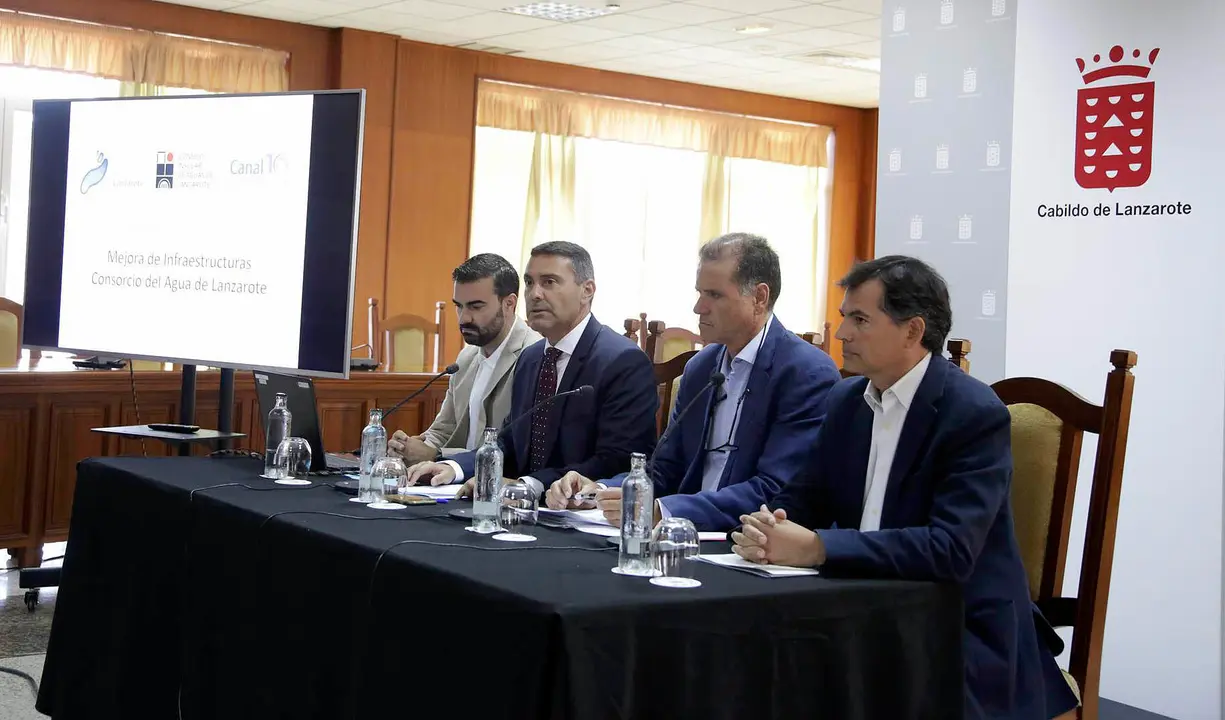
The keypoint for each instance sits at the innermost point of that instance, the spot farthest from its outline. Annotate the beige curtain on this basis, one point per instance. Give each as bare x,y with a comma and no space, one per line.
557,112
135,89
714,198
550,213
140,57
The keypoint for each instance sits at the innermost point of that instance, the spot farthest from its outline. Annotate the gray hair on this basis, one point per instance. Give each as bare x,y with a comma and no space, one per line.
757,262
580,259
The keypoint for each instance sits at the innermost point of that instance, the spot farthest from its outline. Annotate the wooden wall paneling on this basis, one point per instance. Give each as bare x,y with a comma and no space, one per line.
72,440
341,423
151,411
865,246
431,179
368,60
309,46
16,426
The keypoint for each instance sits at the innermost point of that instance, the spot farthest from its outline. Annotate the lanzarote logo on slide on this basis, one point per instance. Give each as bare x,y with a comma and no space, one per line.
1114,122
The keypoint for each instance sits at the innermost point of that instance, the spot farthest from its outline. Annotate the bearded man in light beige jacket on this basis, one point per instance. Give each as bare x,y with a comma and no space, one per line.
486,294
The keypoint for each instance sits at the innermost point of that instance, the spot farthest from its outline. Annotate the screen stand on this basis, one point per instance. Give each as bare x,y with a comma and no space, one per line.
187,403
225,404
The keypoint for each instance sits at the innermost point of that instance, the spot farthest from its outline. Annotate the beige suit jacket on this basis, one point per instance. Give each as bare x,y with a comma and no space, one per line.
449,431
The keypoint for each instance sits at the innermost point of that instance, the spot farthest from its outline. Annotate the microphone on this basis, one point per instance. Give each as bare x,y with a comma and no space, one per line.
716,381
448,370
581,390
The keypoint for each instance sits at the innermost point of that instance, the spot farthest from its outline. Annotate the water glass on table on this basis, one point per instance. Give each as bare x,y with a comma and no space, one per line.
676,547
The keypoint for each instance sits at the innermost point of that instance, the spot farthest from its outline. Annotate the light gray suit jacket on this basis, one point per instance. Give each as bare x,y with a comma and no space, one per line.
449,431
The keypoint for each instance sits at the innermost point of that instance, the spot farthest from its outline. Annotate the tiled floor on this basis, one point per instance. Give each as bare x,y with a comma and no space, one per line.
26,633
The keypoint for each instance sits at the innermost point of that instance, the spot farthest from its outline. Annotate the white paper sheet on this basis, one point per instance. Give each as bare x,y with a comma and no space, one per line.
735,562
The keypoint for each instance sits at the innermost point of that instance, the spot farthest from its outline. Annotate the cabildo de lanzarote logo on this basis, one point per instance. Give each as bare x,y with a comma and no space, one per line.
1114,134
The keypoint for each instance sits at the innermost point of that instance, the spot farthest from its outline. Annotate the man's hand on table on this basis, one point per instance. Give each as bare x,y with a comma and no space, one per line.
768,538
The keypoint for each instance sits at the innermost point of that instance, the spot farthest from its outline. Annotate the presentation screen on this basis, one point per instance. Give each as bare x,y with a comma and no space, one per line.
213,230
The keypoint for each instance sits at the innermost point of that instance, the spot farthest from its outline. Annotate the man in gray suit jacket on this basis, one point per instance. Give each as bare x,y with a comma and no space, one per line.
486,293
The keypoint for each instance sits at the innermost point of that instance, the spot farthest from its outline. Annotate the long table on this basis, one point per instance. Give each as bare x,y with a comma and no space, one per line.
259,600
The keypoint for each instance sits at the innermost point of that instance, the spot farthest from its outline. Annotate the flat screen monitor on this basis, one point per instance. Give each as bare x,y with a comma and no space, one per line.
216,230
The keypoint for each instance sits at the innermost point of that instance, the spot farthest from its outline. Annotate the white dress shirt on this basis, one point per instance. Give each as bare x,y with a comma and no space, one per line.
480,387
726,420
888,417
567,345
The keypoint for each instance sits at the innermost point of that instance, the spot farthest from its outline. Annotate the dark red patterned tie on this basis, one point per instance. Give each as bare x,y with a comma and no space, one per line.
546,387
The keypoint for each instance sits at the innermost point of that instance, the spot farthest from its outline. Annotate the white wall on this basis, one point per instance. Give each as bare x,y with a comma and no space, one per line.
1080,287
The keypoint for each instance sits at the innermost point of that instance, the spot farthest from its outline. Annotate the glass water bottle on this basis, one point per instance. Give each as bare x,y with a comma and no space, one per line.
280,422
637,517
486,496
374,448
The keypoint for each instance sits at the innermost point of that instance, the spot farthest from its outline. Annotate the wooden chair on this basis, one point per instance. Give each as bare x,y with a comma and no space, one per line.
12,314
412,343
667,376
821,340
371,346
959,350
664,343
1048,424
635,329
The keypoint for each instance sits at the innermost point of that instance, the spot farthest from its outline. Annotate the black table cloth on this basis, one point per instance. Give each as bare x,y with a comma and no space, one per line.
252,601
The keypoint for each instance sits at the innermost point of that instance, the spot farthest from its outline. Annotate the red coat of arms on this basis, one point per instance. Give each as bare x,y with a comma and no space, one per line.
1114,122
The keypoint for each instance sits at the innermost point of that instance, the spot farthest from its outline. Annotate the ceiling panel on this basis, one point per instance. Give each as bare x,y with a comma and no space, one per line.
701,41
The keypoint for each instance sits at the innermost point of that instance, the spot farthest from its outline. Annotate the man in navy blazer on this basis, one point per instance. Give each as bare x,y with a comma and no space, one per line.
590,433
910,479
740,441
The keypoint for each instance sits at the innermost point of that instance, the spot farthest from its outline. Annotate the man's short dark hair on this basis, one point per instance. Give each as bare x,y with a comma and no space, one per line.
579,258
912,288
489,265
757,261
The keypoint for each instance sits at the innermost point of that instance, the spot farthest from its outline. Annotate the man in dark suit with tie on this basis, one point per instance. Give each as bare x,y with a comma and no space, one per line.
590,433
910,478
740,441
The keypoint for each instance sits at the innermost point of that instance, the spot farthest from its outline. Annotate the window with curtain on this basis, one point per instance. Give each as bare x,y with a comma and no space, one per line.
641,187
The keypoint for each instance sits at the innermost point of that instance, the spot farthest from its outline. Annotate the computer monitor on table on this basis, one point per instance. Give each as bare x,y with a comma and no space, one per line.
300,397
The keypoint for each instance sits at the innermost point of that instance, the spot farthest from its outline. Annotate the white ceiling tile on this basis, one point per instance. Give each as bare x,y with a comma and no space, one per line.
867,49
822,38
627,23
652,65
550,38
684,13
485,4
208,4
644,44
870,28
775,65
757,6
819,16
694,35
867,6
434,38
578,54
314,8
343,6
431,10
730,26
708,54
375,19
764,46
486,24
259,9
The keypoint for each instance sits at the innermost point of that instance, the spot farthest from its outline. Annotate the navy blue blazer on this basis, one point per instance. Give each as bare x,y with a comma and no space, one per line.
947,517
593,433
779,419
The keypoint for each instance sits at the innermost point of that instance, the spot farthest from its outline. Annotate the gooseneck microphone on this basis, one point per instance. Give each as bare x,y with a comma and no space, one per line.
448,370
580,390
716,381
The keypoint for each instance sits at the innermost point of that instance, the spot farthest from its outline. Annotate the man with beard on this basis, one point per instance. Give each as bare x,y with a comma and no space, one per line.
590,433
486,293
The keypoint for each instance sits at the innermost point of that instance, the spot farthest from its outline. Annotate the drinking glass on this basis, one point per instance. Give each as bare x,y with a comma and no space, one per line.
389,475
676,546
517,513
293,461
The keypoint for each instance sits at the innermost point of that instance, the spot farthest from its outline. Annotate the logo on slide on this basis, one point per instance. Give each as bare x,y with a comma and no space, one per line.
95,175
1114,123
165,170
